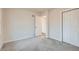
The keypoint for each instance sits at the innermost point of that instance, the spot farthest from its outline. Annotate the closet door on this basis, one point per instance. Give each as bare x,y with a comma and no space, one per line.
71,27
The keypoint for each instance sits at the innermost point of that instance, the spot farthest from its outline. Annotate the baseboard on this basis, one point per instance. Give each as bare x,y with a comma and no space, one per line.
21,39
18,39
1,46
54,39
71,44
63,42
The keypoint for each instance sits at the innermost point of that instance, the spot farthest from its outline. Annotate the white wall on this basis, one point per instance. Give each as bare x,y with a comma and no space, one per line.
17,24
1,42
55,31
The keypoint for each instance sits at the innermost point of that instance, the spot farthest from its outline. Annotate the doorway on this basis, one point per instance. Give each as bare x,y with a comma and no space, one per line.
41,26
38,26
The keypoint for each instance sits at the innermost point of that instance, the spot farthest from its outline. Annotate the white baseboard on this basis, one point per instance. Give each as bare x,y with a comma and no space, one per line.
17,39
54,39
22,38
1,46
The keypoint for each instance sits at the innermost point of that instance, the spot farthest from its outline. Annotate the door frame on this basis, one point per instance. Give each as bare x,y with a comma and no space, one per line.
47,22
63,19
34,19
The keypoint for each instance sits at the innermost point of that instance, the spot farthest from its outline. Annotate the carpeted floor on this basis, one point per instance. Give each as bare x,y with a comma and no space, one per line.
38,44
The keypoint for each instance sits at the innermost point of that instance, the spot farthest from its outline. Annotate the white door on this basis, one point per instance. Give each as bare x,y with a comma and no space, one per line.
38,26
71,27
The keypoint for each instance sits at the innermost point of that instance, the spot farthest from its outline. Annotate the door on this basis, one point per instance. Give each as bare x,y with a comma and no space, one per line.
71,27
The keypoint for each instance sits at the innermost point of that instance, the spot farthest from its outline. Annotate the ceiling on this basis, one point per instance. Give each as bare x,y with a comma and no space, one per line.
38,9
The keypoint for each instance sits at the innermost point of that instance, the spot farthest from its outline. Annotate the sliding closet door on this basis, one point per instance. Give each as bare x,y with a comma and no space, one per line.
71,27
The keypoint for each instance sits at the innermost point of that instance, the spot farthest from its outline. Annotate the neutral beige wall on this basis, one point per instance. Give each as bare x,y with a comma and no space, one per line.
17,24
1,42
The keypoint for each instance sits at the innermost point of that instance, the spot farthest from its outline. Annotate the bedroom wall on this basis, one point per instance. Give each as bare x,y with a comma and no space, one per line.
55,24
17,24
1,42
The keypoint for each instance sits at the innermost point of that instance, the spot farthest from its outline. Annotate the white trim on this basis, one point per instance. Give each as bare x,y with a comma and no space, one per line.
55,39
1,46
22,39
17,39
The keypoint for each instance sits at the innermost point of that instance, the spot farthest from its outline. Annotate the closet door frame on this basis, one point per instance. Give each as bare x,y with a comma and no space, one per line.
63,22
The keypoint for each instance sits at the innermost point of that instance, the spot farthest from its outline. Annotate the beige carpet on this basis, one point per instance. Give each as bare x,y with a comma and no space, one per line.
38,44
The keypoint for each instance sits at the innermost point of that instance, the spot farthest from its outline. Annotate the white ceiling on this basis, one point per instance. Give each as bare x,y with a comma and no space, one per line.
38,9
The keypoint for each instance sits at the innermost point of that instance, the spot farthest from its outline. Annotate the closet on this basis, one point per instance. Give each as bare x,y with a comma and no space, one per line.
71,26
